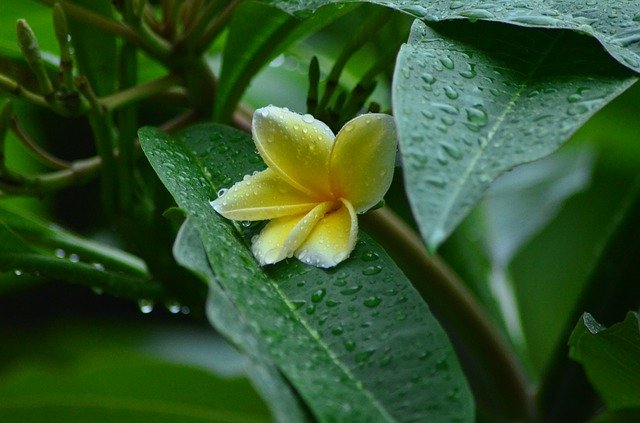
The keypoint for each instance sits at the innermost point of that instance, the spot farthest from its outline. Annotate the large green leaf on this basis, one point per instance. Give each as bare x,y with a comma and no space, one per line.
189,252
356,341
125,386
614,23
611,358
473,101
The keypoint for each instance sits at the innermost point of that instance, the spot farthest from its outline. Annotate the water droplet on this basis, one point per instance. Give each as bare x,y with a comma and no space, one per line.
428,114
74,258
469,73
450,92
349,345
338,330
371,270
317,296
17,272
332,303
475,14
400,315
385,361
60,253
264,112
442,364
173,307
363,356
428,78
447,62
308,118
222,191
145,306
97,290
436,182
351,290
451,150
447,108
372,302
370,256
574,98
477,116
98,266
456,5
311,308
297,304
447,120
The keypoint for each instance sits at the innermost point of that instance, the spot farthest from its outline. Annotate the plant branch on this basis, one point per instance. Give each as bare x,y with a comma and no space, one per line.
139,92
103,136
216,26
39,153
445,292
153,45
194,31
374,22
14,88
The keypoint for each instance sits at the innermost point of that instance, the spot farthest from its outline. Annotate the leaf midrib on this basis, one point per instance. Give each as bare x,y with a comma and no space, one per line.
460,183
299,318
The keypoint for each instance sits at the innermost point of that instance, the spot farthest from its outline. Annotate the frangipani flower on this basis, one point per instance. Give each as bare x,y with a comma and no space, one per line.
314,185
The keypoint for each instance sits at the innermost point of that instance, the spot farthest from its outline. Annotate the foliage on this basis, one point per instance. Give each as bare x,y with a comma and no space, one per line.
120,121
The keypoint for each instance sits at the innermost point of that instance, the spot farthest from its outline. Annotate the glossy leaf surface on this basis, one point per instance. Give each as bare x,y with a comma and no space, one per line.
357,341
473,101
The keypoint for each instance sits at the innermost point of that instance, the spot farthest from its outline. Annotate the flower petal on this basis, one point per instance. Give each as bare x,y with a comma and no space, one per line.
262,196
281,237
332,239
296,147
362,160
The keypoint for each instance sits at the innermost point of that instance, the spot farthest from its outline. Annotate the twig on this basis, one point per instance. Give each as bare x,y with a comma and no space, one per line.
40,154
216,26
139,92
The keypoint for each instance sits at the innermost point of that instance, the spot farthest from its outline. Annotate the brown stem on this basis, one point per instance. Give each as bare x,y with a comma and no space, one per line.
40,154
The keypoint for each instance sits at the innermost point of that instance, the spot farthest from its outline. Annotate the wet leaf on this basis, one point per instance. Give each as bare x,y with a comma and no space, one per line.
614,23
357,341
267,379
473,101
31,249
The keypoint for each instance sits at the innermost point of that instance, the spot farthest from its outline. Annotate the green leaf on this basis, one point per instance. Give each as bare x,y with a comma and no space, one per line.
189,252
473,101
611,358
247,50
94,50
127,387
62,243
614,23
357,341
99,267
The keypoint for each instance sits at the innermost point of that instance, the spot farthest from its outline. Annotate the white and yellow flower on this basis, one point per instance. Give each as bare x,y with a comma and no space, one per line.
314,185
